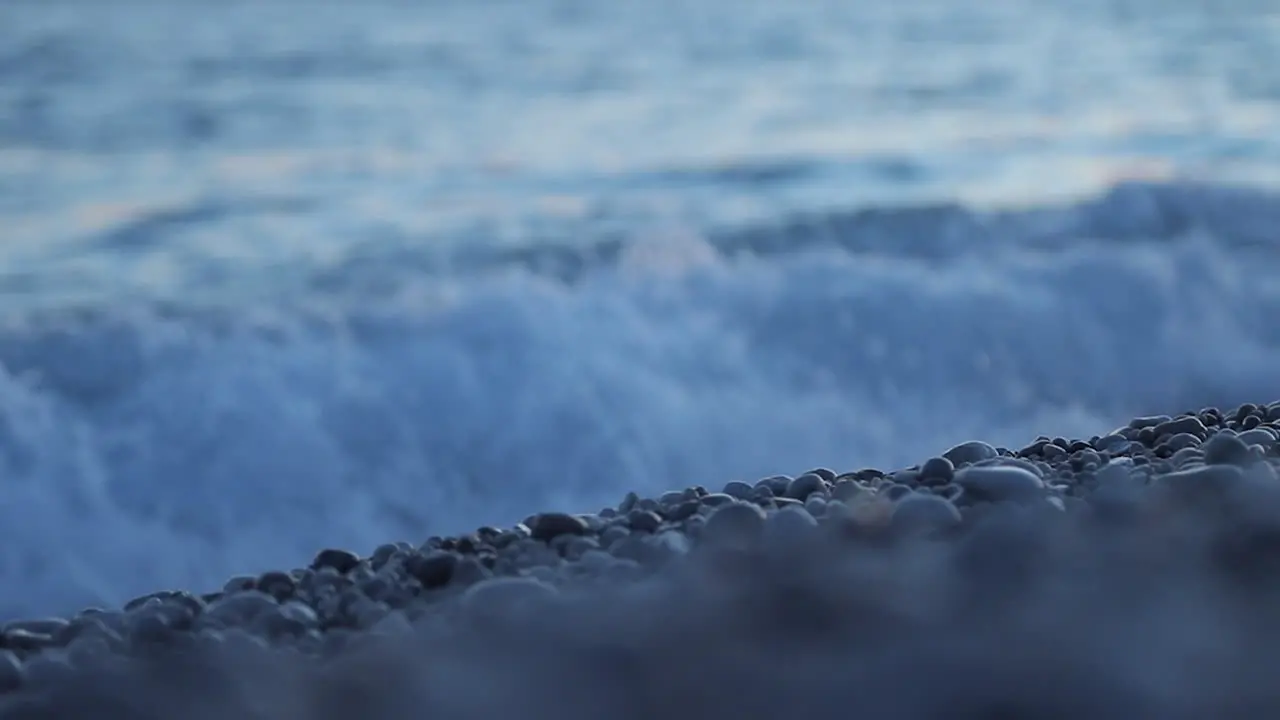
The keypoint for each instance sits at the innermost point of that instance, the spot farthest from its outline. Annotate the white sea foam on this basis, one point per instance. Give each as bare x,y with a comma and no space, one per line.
156,447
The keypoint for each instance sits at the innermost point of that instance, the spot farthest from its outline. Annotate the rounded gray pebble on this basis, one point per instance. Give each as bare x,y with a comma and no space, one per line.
937,470
805,485
738,489
1000,483
918,512
739,524
1227,449
970,452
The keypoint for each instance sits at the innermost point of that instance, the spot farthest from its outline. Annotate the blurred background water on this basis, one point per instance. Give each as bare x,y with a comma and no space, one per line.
282,275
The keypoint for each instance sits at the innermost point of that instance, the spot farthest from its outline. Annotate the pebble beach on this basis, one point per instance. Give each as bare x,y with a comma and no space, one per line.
571,360
1129,574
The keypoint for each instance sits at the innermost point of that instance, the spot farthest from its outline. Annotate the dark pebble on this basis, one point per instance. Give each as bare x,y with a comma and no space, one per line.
717,499
341,560
432,570
738,489
12,674
279,585
551,525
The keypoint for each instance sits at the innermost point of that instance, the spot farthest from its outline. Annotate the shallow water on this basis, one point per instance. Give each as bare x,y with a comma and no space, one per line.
280,276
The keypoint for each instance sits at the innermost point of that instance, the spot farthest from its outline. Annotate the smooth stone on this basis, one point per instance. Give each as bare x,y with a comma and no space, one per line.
1258,436
970,452
1202,482
846,490
551,525
816,506
26,640
1188,424
671,498
341,560
896,491
497,596
1139,423
738,525
777,484
612,535
644,521
1181,441
291,618
805,485
919,512
686,509
1226,449
279,585
718,499
1111,443
999,483
738,489
432,570
789,526
937,470
240,608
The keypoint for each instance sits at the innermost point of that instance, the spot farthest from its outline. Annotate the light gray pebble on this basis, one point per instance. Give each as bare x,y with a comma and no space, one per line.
1258,436
736,525
805,485
937,470
918,512
1202,482
816,506
789,527
612,534
1000,483
777,484
1226,449
970,452
500,596
846,490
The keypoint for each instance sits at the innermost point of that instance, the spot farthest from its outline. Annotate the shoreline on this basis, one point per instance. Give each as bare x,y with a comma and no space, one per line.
1189,501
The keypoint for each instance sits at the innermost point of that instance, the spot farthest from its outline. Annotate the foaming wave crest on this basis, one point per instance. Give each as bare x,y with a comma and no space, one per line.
162,446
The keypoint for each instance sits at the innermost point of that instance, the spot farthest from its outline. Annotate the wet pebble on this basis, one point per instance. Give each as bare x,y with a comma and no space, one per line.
551,525
1000,483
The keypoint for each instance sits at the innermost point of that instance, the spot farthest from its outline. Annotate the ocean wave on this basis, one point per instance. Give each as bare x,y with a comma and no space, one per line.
147,445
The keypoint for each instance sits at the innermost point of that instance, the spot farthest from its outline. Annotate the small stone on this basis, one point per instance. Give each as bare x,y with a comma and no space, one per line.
816,506
500,596
1149,421
1258,436
277,584
846,490
1181,441
551,525
1227,449
737,525
718,499
1188,424
1000,483
683,511
1111,443
644,521
738,489
918,512
672,498
613,534
340,560
628,503
432,570
239,609
938,470
804,486
789,527
777,484
1195,484
970,452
